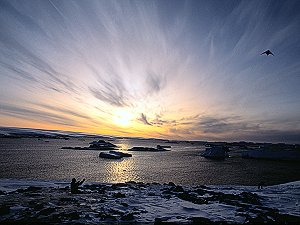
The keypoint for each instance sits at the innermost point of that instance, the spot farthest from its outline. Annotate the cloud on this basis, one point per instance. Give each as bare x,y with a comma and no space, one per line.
272,136
36,115
144,120
65,111
155,82
113,93
29,66
208,124
159,121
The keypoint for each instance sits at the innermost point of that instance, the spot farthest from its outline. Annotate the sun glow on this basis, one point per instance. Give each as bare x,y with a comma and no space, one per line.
122,118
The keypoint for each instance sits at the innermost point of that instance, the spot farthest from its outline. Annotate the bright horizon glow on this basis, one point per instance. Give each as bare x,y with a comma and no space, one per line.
122,118
189,70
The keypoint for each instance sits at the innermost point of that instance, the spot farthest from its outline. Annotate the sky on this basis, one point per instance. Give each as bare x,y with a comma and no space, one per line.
189,70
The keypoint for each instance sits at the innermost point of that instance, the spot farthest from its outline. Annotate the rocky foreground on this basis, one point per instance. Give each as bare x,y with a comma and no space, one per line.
33,202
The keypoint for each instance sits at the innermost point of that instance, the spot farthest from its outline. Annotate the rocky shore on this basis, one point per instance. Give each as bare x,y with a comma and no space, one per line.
36,202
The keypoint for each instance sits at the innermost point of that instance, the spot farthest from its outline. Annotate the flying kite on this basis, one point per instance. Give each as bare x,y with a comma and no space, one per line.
268,52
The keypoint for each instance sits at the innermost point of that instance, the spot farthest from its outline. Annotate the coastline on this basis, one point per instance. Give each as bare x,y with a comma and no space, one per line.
50,202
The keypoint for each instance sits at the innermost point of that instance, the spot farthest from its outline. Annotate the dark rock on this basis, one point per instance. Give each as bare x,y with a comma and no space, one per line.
178,189
105,216
124,204
192,197
72,215
118,186
33,189
130,182
200,191
151,194
161,221
251,198
2,193
66,199
171,184
203,221
47,211
37,206
128,216
119,195
4,209
29,189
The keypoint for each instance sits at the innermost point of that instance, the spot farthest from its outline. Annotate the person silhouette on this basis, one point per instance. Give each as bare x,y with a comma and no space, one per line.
75,185
261,184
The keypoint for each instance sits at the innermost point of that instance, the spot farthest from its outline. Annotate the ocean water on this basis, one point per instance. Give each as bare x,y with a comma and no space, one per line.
31,158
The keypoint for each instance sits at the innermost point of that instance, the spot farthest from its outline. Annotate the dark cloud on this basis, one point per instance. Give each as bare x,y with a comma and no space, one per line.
273,136
214,125
110,87
158,121
19,73
144,120
155,82
111,93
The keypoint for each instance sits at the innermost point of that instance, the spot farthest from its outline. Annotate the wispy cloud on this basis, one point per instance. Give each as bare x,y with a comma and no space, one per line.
36,115
155,82
144,120
154,59
113,93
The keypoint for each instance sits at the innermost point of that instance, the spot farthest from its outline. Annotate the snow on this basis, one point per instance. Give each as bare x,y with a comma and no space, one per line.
145,202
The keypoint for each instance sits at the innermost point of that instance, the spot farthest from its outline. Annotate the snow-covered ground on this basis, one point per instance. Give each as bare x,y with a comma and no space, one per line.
51,202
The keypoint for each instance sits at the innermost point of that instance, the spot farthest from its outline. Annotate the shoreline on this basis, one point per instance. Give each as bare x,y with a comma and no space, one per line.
50,202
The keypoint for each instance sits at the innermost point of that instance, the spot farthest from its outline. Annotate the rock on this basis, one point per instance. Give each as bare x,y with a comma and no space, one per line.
4,209
47,211
124,204
203,221
200,191
2,193
128,216
29,189
33,189
38,206
161,221
192,197
72,215
105,216
118,186
151,194
251,198
119,195
171,184
66,199
178,188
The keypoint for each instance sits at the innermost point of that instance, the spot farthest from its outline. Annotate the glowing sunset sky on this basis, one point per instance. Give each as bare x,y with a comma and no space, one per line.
166,69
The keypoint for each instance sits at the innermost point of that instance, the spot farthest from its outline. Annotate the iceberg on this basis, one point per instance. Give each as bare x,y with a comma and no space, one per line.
215,152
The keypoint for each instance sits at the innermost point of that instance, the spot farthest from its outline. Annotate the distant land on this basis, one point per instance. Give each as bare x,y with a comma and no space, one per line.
17,132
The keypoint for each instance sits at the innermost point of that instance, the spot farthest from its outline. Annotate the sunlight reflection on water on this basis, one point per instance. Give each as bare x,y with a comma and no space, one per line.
122,171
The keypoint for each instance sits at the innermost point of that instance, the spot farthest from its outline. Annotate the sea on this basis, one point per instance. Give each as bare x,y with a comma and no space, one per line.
44,159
